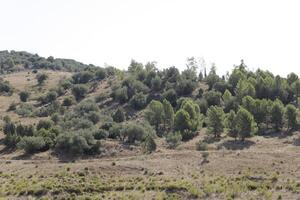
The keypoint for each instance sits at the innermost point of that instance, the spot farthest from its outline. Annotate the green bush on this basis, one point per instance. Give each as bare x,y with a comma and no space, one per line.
86,107
11,140
82,77
101,74
26,110
114,131
118,116
46,124
120,95
138,101
93,116
24,95
132,132
12,106
5,88
173,139
32,144
41,78
201,146
100,134
68,101
79,91
149,145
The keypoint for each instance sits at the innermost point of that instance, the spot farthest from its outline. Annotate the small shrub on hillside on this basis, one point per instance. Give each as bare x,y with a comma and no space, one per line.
5,88
49,137
25,110
118,116
12,107
45,124
132,132
79,91
24,95
120,95
55,118
100,134
101,74
149,145
101,97
68,101
11,140
82,77
25,130
86,107
201,146
114,131
173,139
93,117
32,144
41,78
138,101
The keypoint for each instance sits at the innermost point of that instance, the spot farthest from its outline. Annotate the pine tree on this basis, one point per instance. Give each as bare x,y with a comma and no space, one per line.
245,124
291,116
230,124
155,113
215,120
168,114
277,114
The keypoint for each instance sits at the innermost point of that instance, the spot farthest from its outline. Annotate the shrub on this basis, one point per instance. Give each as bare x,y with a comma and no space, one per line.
94,117
12,106
114,131
25,110
5,88
181,120
100,134
291,116
49,137
201,146
245,123
213,98
31,144
156,83
79,91
118,116
11,140
41,78
155,113
46,124
215,120
68,101
101,74
25,130
149,145
171,96
82,77
121,94
101,97
138,101
173,139
55,118
85,107
132,132
24,95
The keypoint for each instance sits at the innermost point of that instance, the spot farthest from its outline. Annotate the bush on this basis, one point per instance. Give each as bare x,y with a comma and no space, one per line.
25,110
68,101
173,139
24,95
5,88
100,134
101,97
118,116
171,96
11,140
149,145
46,124
201,146
120,95
32,144
138,101
79,91
213,98
101,74
49,137
82,77
41,78
132,132
12,106
93,117
85,107
114,131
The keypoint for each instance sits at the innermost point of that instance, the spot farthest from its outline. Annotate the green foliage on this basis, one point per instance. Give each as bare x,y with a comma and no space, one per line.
41,78
215,120
156,83
5,87
168,117
173,139
119,115
82,77
213,98
291,116
93,116
245,124
100,134
101,74
182,120
149,145
26,110
79,91
24,95
244,88
68,101
32,144
277,114
132,132
201,146
171,96
121,95
231,125
138,101
155,113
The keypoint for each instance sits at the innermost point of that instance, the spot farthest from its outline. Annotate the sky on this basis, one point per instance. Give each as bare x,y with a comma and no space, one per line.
264,33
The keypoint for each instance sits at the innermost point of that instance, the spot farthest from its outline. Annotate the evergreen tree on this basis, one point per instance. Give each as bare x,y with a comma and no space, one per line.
168,114
245,123
291,116
230,124
215,120
277,114
155,114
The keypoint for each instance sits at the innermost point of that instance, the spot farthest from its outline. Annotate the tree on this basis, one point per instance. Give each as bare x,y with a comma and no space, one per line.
168,114
156,83
291,116
79,91
296,89
213,98
149,145
230,124
245,123
24,95
119,115
101,74
181,120
215,118
244,88
138,101
155,114
41,78
171,96
277,114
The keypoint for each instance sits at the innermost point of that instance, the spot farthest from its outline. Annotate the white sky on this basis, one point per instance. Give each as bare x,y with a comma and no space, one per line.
265,33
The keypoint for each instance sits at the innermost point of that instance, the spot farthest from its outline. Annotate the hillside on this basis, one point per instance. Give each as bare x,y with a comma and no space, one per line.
72,131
